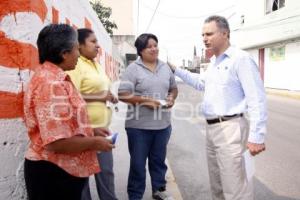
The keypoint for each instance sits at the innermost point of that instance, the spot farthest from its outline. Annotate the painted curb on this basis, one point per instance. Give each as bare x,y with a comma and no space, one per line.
284,93
172,186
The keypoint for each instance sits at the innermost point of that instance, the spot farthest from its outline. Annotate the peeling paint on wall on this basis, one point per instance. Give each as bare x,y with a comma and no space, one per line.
20,23
13,137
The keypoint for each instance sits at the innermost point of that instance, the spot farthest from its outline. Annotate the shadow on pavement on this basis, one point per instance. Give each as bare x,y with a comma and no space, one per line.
262,192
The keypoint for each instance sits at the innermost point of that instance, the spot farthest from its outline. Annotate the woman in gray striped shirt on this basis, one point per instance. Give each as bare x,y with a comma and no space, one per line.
148,87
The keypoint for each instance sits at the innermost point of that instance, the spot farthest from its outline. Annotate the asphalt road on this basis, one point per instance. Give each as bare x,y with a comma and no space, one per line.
277,175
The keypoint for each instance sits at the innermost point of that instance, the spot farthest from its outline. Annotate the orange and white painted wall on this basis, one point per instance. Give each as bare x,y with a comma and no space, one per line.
20,23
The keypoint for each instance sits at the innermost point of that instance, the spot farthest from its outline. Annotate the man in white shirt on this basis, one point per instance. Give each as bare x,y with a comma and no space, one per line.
232,86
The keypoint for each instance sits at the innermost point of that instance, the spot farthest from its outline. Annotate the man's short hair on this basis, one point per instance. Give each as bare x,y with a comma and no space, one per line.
221,22
54,40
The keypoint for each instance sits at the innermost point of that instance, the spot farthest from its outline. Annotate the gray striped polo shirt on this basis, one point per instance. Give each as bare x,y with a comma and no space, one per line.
140,81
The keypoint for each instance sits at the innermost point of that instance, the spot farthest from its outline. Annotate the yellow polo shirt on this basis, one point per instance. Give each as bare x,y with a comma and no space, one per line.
89,77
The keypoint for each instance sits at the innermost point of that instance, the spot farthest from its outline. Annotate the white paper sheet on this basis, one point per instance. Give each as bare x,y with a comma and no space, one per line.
249,165
162,102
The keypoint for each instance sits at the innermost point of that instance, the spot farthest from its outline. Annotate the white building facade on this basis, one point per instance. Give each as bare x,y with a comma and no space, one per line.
123,37
270,31
122,15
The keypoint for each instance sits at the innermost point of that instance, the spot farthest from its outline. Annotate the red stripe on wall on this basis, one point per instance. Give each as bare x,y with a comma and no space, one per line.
17,54
55,16
11,105
68,21
13,6
87,23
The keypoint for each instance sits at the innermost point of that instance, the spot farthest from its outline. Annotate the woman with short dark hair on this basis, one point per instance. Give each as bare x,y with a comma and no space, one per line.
148,87
142,41
62,150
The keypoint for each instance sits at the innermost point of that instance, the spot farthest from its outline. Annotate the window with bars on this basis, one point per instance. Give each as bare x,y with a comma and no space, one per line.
273,5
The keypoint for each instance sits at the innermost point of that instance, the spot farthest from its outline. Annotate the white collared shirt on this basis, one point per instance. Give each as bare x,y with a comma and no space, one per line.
232,85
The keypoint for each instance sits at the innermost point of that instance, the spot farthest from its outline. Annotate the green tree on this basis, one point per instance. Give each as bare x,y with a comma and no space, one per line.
104,14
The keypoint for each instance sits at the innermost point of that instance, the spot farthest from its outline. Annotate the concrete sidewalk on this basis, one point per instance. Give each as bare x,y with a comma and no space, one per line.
121,163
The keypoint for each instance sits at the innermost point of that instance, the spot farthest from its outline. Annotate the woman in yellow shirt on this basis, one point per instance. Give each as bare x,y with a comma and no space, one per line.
94,85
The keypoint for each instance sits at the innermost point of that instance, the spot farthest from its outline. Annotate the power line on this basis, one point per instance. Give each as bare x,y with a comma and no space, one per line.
153,16
138,17
190,17
231,15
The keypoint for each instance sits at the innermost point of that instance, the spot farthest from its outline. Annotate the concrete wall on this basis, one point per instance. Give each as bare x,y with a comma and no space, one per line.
20,22
123,37
125,45
122,14
283,73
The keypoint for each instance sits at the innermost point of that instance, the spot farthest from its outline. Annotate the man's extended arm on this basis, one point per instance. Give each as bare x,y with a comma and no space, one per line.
192,79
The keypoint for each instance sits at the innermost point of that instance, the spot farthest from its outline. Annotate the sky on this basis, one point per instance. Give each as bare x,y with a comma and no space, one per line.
178,23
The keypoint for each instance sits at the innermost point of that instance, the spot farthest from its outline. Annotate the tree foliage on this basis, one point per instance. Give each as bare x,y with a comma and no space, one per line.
103,14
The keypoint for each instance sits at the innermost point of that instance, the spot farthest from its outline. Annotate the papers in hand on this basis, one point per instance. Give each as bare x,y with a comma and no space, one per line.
249,165
112,106
163,103
112,137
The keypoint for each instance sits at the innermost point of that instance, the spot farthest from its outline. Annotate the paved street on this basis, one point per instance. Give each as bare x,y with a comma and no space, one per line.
277,170
121,162
121,158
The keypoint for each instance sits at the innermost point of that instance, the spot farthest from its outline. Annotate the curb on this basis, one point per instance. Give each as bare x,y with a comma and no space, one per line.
284,93
172,186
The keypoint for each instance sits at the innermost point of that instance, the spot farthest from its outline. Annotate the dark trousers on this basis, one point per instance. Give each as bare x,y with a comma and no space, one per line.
46,181
143,144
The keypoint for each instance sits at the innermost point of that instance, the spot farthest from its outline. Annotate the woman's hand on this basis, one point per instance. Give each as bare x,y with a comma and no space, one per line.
101,132
152,104
170,101
102,144
110,97
79,143
102,96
